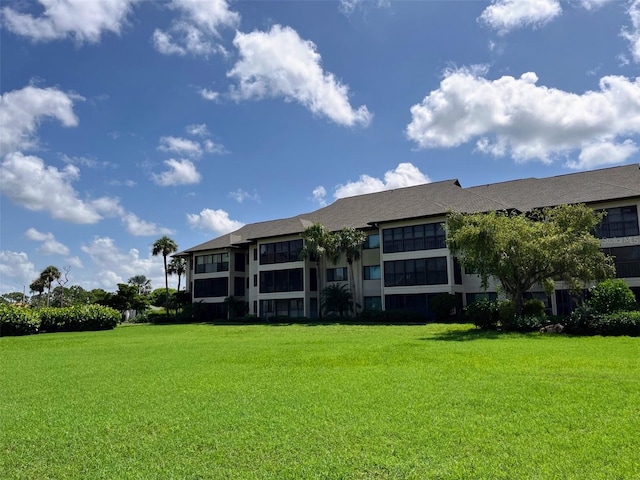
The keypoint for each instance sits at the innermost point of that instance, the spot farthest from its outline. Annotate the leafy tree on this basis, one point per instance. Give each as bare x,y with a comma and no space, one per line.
157,297
128,298
349,241
12,297
337,298
99,296
37,286
178,266
523,250
319,243
48,276
165,246
611,296
142,283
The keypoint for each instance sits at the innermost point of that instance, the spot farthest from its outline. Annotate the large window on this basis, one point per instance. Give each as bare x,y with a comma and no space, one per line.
211,287
218,262
238,286
371,272
627,260
239,260
280,252
281,281
337,274
293,308
416,237
373,303
619,222
418,271
372,241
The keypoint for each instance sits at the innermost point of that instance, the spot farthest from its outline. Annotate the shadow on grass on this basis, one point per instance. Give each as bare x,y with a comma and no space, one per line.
472,334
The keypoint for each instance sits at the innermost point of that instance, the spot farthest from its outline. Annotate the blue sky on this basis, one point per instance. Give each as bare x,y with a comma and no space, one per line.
123,120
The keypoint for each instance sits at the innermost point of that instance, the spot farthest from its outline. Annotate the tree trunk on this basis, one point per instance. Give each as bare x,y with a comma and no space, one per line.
166,285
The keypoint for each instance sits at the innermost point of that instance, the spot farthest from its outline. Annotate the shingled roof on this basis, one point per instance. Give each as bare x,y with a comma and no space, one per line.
437,198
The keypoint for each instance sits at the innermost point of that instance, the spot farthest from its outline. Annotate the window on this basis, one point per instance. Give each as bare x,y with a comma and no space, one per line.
238,286
255,280
372,272
337,274
281,281
218,262
619,222
255,254
313,280
280,252
293,308
372,241
474,297
239,260
417,237
457,271
373,303
211,287
626,259
419,271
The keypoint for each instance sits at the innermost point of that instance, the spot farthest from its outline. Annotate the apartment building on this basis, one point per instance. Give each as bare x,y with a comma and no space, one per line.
404,261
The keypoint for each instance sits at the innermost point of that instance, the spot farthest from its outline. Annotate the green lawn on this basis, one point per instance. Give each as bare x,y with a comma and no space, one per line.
331,402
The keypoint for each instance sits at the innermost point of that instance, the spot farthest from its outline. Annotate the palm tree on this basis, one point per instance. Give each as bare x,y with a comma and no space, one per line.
37,286
48,276
177,266
337,298
165,246
318,244
349,241
142,283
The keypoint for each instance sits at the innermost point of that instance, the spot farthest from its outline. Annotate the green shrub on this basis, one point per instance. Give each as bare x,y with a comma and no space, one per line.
18,321
483,314
78,318
586,321
443,304
610,296
506,312
533,307
524,323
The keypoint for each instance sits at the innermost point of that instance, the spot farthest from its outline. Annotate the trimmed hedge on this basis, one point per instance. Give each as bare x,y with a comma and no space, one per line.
26,321
18,321
585,321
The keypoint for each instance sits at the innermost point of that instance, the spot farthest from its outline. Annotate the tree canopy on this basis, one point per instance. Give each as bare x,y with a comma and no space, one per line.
165,246
522,250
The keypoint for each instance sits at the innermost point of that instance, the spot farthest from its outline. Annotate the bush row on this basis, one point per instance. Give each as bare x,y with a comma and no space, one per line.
25,321
587,321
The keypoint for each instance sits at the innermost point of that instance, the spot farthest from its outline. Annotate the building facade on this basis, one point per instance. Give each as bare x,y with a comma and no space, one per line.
404,262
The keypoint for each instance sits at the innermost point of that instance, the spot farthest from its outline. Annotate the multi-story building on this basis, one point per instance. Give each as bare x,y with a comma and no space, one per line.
404,261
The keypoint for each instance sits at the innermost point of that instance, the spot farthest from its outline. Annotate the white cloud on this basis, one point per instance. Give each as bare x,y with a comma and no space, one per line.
404,175
74,262
141,228
217,221
23,109
632,35
16,271
241,195
117,267
181,172
514,116
182,146
349,6
197,130
279,63
602,154
507,15
211,147
196,31
320,195
84,20
50,246
209,94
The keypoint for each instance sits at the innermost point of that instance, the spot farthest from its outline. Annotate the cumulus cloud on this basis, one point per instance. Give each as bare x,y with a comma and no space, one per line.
22,111
404,175
50,246
179,145
181,172
320,195
196,31
198,130
278,63
241,195
83,20
16,271
515,117
603,153
209,94
632,35
217,221
507,15
117,266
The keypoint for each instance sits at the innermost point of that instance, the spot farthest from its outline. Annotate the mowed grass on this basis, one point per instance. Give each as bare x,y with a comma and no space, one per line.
330,402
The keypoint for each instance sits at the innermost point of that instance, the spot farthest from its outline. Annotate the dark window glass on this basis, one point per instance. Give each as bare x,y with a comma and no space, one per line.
239,260
373,303
238,286
281,281
337,274
626,259
313,280
417,237
619,222
372,272
211,287
420,271
280,252
218,262
373,241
